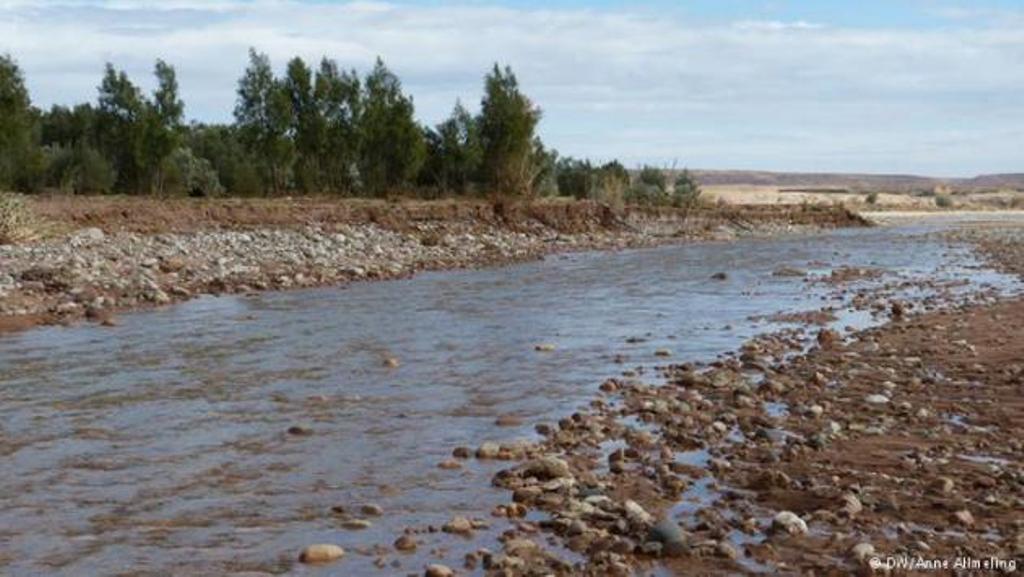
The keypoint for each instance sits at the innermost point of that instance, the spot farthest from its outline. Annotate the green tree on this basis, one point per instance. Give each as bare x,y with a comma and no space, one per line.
685,191
308,129
337,96
21,161
507,123
264,117
392,147
651,187
576,178
454,152
163,126
222,147
120,128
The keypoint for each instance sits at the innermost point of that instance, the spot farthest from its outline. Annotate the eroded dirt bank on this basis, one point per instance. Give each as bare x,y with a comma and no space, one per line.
125,253
894,450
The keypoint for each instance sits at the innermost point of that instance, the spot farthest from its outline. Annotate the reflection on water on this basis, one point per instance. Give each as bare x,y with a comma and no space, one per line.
161,445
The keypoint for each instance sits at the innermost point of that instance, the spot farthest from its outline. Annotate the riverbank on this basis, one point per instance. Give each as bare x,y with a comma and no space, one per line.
806,452
115,254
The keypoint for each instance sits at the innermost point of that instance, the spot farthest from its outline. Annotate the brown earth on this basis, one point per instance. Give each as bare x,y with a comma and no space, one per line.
147,215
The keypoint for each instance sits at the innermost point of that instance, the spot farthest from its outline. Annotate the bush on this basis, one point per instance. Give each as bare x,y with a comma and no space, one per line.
17,223
943,201
192,175
80,170
872,198
686,191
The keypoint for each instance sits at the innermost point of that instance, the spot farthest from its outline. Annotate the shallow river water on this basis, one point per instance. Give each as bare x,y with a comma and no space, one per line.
161,447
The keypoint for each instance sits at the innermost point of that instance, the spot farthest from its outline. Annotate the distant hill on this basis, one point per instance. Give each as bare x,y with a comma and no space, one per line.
857,182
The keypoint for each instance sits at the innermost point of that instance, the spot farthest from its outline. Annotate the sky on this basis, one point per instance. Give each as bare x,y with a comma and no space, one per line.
931,87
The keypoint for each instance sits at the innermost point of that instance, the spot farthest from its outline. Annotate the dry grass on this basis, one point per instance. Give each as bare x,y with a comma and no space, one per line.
18,223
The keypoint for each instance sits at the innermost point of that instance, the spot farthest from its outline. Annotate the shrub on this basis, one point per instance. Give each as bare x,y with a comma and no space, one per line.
191,174
872,198
80,170
17,223
943,201
685,191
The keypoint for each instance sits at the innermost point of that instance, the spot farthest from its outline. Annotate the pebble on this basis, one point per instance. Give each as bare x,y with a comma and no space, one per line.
673,539
321,553
372,510
488,450
861,552
439,571
406,543
789,522
458,526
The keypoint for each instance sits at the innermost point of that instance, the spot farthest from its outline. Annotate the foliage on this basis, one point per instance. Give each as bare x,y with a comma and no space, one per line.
307,131
220,145
337,96
872,198
191,174
576,178
454,152
685,191
79,169
21,161
651,187
392,146
943,200
507,123
264,117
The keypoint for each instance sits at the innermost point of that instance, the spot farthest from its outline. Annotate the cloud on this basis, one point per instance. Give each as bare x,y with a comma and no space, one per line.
629,83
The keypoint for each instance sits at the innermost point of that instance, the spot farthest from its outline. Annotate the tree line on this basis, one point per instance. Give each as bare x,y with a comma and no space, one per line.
311,131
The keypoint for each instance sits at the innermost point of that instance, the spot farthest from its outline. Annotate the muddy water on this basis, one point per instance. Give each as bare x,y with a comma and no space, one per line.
161,446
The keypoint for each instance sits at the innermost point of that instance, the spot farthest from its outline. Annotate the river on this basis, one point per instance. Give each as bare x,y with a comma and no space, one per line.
160,446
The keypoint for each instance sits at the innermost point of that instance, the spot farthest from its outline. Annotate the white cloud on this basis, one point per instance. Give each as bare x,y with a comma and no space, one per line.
613,83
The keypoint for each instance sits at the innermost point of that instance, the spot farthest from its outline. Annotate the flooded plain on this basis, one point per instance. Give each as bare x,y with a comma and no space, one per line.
162,446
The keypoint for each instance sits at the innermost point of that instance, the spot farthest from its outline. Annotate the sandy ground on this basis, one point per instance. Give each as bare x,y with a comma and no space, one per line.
758,194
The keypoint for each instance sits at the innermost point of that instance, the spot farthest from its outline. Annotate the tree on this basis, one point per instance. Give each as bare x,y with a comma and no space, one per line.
454,152
337,96
221,146
507,123
685,191
162,130
575,178
392,143
21,163
651,187
120,128
307,130
264,117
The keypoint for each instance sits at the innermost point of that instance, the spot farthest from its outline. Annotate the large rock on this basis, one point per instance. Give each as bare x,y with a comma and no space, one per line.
547,468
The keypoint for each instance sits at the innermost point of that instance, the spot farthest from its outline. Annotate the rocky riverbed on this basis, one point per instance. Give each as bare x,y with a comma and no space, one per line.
130,260
888,450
